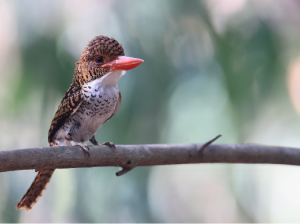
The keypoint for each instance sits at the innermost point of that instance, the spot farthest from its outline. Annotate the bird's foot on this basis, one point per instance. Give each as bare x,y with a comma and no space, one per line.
94,141
83,146
110,144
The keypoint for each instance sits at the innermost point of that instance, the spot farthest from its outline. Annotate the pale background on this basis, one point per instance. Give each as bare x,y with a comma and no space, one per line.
229,67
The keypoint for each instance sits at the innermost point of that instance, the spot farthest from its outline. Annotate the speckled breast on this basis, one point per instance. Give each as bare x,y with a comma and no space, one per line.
98,105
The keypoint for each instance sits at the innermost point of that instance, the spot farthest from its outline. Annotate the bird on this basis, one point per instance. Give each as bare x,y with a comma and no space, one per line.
91,100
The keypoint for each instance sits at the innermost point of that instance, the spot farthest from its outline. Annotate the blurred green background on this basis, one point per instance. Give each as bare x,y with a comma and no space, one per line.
211,67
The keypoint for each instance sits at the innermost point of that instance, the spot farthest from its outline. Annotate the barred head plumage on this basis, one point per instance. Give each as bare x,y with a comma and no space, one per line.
102,45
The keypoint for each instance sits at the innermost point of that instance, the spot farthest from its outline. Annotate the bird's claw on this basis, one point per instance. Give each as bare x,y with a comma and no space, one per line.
83,146
85,149
94,141
110,144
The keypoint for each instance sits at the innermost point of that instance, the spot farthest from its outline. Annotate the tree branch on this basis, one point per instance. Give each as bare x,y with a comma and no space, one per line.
130,156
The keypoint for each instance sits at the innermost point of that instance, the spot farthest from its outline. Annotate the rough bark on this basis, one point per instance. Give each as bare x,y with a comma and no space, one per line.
130,156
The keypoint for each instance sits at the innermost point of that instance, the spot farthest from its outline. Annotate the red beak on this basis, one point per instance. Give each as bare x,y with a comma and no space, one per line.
123,63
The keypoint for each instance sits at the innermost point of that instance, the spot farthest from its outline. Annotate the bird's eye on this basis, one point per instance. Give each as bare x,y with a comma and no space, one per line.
99,60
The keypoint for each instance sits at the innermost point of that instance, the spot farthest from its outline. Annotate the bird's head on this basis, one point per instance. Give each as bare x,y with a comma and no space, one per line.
101,56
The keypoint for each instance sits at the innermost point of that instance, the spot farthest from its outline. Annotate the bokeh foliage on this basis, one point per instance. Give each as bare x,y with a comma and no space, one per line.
210,68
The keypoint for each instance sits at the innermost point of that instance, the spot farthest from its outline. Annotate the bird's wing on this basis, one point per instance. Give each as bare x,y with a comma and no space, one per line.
69,104
118,104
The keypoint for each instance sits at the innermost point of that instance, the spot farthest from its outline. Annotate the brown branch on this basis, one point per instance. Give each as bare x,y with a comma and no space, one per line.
130,156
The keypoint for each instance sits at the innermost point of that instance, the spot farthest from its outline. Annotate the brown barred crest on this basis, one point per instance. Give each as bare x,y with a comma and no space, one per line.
102,45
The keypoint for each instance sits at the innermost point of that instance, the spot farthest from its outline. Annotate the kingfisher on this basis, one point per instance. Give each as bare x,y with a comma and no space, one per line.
91,100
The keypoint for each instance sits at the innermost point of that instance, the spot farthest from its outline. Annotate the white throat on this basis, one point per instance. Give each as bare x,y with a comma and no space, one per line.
111,78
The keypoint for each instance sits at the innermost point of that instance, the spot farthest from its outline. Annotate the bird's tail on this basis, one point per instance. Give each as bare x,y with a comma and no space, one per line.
36,189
